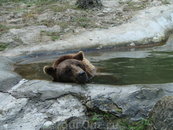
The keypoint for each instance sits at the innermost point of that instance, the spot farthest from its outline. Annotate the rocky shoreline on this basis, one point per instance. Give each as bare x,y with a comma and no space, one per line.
39,104
150,25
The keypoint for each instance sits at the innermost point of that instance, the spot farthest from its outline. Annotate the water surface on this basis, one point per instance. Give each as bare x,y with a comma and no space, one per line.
116,68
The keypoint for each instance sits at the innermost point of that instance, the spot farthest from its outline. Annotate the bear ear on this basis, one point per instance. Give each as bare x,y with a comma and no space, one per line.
49,70
79,56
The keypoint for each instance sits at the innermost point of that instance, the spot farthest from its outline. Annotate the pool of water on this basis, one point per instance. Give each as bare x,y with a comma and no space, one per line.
155,69
116,68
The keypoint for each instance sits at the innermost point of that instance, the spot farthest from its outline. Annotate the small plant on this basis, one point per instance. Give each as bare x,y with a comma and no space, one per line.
165,2
94,117
3,46
54,35
83,22
132,125
63,24
133,5
48,23
55,38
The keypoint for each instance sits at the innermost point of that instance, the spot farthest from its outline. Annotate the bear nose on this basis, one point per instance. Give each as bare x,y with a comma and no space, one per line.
81,74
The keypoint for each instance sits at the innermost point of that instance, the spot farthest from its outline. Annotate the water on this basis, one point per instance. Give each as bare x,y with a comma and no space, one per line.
154,69
116,68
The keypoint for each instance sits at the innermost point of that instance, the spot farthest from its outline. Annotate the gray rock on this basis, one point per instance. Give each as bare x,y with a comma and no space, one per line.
15,21
46,90
104,105
10,107
15,15
45,16
132,100
42,103
8,78
162,114
153,26
101,14
27,35
37,113
110,3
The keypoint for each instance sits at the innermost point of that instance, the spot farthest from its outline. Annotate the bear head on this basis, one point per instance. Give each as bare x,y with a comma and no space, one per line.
69,68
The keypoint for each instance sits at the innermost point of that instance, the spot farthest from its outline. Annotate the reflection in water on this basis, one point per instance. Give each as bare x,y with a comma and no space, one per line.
33,71
153,69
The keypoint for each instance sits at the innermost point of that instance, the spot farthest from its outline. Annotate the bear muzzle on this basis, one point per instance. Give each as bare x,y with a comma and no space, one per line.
82,77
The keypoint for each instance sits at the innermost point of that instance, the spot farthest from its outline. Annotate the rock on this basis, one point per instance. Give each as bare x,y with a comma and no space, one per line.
10,107
110,4
68,107
49,103
47,124
28,35
166,47
44,16
101,14
133,100
104,105
46,38
46,90
8,78
162,114
132,44
55,28
79,30
36,113
15,21
36,104
152,26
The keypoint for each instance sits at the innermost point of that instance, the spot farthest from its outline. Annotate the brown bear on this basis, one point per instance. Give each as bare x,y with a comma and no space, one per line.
71,68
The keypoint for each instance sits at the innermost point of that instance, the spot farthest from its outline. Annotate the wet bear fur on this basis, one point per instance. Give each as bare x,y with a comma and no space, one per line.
71,68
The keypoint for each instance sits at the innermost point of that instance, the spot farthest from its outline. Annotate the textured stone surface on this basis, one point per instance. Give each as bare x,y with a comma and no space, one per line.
8,78
162,114
150,25
130,100
35,104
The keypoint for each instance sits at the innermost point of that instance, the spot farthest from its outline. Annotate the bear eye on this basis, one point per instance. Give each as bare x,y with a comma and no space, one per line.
78,64
67,70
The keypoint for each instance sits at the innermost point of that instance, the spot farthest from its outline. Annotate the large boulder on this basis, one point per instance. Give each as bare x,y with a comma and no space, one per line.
162,113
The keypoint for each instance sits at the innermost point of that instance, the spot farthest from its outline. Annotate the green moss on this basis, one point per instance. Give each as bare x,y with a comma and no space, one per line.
129,5
121,122
165,2
94,117
3,46
55,38
134,125
63,24
83,22
54,35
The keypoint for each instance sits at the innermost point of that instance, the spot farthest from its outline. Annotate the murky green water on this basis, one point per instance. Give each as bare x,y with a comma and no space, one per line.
154,69
117,68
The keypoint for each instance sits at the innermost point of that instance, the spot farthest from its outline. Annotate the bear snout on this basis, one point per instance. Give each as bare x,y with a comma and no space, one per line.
82,74
82,77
